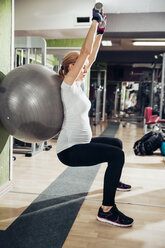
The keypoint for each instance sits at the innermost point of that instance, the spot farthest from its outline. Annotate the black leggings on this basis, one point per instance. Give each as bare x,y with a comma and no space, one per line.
100,149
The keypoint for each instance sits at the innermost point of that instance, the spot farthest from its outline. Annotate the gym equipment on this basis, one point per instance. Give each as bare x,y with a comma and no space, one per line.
149,119
97,95
162,97
98,7
97,12
153,122
31,108
28,48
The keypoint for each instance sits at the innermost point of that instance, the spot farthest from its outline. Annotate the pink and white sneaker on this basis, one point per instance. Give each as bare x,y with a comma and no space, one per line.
123,187
114,217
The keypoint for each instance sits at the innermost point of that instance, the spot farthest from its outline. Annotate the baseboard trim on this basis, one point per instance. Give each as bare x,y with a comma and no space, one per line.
5,188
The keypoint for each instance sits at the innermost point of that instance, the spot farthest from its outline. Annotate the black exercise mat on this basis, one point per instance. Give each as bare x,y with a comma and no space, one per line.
48,220
111,130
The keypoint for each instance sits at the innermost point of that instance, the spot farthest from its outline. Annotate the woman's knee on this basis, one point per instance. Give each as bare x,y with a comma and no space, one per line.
119,143
120,156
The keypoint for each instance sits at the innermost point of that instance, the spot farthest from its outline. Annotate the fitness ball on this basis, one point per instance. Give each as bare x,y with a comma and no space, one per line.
30,103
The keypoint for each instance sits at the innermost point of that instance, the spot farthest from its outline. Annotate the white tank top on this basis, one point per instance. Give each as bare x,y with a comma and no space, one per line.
76,127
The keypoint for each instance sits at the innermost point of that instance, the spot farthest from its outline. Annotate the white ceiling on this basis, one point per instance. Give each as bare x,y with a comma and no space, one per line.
54,19
133,6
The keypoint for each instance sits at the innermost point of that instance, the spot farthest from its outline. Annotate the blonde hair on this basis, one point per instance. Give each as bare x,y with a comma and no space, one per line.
69,58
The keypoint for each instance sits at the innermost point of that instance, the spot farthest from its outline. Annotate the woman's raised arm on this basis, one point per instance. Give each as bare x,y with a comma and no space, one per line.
96,46
86,49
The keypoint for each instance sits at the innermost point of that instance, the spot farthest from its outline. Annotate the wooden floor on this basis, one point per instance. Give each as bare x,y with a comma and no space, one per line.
145,203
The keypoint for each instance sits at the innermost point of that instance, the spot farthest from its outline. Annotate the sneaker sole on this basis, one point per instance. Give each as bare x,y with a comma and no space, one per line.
119,189
113,223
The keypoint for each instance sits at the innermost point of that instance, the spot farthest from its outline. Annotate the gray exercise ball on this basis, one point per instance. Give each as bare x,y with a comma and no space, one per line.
30,103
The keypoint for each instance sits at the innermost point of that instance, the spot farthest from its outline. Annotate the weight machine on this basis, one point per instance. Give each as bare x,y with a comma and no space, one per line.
154,117
97,95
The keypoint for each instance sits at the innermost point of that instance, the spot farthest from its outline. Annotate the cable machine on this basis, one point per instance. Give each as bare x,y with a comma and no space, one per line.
162,97
97,95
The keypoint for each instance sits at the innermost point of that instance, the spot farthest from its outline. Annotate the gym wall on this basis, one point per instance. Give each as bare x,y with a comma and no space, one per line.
65,42
5,66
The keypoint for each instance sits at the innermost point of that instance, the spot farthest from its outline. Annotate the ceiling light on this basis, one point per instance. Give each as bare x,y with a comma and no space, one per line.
106,43
148,43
